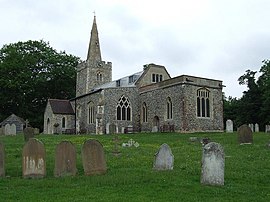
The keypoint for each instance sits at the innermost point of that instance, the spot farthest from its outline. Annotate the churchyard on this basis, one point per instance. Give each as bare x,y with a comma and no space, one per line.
130,174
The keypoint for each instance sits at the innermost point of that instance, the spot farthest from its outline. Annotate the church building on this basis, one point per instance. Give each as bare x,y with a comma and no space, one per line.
146,101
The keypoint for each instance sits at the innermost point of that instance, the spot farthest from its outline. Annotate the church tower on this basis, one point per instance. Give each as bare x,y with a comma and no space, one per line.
93,71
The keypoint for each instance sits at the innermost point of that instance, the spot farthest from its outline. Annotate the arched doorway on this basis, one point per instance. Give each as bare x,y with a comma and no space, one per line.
155,127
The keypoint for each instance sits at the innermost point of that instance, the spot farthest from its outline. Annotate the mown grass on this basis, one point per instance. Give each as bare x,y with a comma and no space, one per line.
130,176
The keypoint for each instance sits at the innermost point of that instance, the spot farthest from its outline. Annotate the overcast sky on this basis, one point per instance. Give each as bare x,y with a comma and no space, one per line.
218,39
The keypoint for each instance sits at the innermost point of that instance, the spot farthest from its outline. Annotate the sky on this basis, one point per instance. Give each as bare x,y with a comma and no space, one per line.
216,39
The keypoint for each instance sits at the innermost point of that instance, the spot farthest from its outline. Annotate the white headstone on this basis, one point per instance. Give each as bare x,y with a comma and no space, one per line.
164,158
13,129
229,126
251,127
267,128
213,163
7,129
257,127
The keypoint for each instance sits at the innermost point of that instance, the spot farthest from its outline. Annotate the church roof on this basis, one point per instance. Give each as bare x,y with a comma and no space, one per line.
61,106
127,81
11,119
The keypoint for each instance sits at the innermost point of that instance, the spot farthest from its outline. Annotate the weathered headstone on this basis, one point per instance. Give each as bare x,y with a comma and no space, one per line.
13,129
251,126
7,129
28,133
116,151
229,126
257,129
33,159
65,159
213,164
2,160
267,128
164,158
112,128
36,131
244,134
93,158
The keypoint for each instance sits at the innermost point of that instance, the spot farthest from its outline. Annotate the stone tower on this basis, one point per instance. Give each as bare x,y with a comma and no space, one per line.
93,71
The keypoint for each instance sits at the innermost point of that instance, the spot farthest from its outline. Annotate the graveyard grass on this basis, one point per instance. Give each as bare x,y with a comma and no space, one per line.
130,176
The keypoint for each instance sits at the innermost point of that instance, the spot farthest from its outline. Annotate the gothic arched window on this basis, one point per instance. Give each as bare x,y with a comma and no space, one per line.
91,113
144,112
169,108
123,109
203,103
99,76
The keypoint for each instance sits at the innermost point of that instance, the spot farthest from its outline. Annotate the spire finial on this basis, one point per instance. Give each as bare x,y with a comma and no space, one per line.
94,13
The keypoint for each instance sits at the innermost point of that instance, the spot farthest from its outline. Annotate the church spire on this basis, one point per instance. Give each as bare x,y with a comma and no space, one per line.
94,53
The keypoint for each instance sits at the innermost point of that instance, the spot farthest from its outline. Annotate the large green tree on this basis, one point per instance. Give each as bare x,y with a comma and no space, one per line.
30,73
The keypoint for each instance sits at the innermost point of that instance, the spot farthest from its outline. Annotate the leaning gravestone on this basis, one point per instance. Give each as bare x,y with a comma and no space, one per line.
28,133
244,134
65,159
93,158
213,163
229,126
33,159
164,158
251,127
2,160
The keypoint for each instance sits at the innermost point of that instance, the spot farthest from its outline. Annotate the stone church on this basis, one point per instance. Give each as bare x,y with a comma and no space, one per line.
145,101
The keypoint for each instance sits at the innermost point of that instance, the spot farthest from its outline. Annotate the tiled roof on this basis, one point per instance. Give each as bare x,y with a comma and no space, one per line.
61,106
11,119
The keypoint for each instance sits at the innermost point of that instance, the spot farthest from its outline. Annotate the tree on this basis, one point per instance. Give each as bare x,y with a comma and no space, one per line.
30,73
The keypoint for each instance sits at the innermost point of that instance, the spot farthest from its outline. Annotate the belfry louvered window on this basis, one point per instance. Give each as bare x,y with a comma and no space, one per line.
123,109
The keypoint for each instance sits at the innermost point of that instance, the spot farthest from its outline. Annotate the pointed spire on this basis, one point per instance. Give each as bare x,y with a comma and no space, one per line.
94,53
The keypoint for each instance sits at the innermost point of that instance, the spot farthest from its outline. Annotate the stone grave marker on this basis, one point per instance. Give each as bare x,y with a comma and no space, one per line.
213,164
244,134
251,127
112,128
267,128
93,158
257,127
164,158
229,126
13,129
33,159
2,160
65,159
7,129
116,151
36,131
28,133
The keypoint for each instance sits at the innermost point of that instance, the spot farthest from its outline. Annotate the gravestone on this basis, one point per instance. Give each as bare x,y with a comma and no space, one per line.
257,127
93,158
267,128
7,129
13,129
65,159
229,126
116,151
2,160
164,158
33,159
213,164
244,134
28,133
112,128
36,131
251,126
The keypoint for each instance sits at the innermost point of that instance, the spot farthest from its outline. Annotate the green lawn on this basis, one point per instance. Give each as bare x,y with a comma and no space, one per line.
130,176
